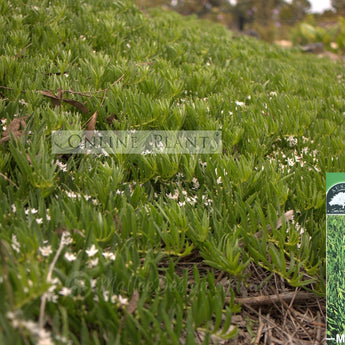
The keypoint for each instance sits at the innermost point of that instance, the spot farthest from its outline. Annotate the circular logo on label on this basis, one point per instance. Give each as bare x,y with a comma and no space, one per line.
336,199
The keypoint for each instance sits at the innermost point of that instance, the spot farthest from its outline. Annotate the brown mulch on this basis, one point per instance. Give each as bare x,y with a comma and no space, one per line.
278,313
272,312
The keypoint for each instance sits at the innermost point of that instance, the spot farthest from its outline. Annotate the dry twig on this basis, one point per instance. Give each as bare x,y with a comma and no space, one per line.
271,299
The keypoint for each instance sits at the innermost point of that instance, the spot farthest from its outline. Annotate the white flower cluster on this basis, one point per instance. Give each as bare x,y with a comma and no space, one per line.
42,336
74,195
301,158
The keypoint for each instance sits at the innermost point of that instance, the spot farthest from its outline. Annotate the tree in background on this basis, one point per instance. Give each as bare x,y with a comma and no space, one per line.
300,8
339,6
295,11
268,19
243,11
186,7
261,11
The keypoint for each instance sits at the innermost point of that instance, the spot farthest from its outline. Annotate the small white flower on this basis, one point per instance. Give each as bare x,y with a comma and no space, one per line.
131,187
14,208
195,183
31,326
15,244
66,238
93,283
240,104
219,180
10,315
30,210
181,203
72,195
55,281
51,291
52,297
292,141
106,295
45,341
299,228
305,139
62,339
92,251
147,152
70,256
109,256
93,262
203,164
39,220
273,93
22,101
62,166
191,200
65,291
175,196
122,300
305,150
45,251
290,162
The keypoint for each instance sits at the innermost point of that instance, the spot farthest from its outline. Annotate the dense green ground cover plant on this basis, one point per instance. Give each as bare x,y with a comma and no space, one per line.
90,244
